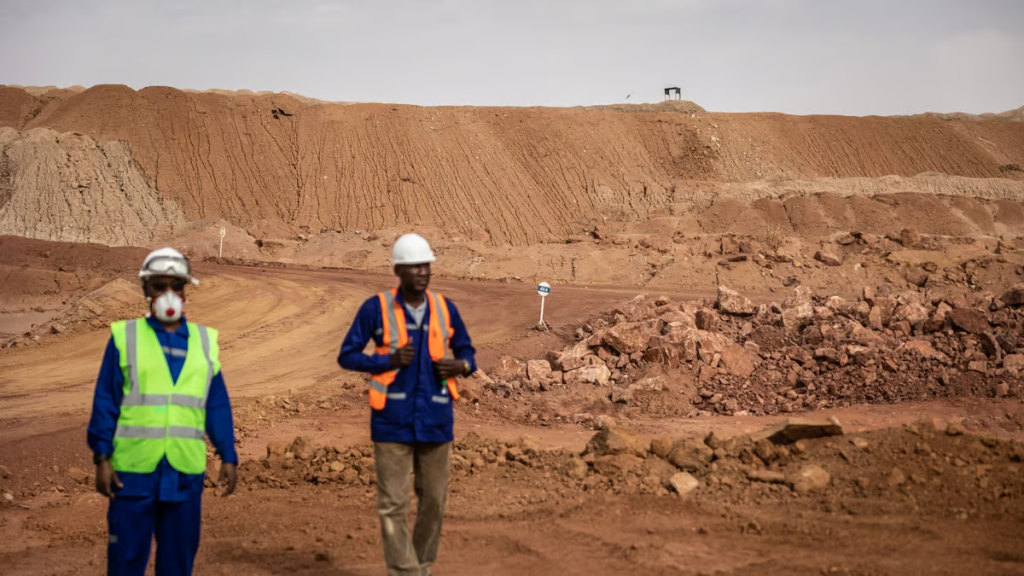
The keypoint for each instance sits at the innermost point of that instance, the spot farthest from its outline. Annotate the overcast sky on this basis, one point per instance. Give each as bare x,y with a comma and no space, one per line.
798,56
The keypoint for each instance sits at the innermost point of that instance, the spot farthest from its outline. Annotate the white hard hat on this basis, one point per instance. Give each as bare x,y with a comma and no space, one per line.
411,249
166,262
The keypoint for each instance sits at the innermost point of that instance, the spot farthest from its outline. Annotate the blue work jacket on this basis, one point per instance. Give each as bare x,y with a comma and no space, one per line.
418,417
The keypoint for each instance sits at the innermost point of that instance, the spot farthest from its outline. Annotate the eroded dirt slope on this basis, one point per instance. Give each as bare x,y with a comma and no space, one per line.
500,175
70,188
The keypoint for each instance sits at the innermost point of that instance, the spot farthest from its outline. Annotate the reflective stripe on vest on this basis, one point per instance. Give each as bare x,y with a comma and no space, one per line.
395,335
160,417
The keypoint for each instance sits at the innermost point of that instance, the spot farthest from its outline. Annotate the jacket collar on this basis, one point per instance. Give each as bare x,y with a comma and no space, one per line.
159,327
400,300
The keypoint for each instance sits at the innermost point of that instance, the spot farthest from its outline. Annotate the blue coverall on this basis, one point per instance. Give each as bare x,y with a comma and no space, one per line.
165,502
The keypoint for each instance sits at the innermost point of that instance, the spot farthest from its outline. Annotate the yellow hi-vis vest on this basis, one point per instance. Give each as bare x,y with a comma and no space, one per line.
395,335
158,416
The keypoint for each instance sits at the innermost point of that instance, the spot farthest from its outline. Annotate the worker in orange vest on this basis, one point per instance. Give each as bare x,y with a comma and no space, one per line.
421,346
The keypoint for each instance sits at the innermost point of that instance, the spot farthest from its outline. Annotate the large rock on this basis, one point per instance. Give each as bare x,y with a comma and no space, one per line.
836,303
690,455
508,368
917,277
739,361
664,355
795,429
801,296
654,326
706,320
617,440
924,349
661,446
615,464
913,313
684,483
810,478
798,316
572,358
538,370
711,343
875,321
629,337
858,310
1013,362
887,307
301,446
677,317
969,320
1014,296
623,395
910,237
683,338
866,336
938,320
732,302
990,346
598,375
828,258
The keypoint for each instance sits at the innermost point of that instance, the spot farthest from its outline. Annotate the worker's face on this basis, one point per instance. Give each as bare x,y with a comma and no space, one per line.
157,285
415,277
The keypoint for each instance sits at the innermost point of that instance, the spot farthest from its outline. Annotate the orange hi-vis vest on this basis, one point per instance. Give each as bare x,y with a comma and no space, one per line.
395,335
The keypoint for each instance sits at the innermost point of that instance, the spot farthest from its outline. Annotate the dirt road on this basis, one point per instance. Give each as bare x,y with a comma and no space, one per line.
280,330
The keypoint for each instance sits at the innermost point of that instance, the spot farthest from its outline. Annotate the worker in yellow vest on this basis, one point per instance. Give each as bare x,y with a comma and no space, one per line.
160,392
421,346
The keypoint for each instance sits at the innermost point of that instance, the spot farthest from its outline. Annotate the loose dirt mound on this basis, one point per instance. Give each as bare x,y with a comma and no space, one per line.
51,275
506,175
67,187
930,466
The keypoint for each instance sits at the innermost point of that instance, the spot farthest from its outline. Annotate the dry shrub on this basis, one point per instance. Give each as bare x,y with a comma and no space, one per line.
772,235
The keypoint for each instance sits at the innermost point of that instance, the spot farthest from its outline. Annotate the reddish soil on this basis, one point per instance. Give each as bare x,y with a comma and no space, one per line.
952,512
924,373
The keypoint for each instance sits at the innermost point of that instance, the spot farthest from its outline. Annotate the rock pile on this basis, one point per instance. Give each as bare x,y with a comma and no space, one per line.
301,461
797,458
804,353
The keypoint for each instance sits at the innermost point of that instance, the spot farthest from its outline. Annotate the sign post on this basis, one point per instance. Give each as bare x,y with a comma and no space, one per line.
543,289
223,232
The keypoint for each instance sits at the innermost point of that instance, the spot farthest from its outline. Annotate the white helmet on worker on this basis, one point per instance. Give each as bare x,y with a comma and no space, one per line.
411,249
166,262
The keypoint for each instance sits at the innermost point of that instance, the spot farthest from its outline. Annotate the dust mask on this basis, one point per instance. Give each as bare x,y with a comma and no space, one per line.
168,307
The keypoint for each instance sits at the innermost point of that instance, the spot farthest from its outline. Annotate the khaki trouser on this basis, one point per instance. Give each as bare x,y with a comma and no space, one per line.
395,464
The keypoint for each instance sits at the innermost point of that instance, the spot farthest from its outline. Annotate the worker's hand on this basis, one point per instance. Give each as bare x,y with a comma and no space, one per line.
228,478
106,479
402,357
449,368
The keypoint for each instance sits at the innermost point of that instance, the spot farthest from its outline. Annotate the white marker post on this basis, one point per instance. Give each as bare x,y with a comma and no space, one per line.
223,232
543,289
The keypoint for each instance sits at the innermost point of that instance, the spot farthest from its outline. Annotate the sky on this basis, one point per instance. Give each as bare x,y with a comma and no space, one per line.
856,57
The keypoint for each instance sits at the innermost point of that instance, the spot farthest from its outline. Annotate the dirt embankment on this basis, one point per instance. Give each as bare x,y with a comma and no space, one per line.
501,176
71,188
